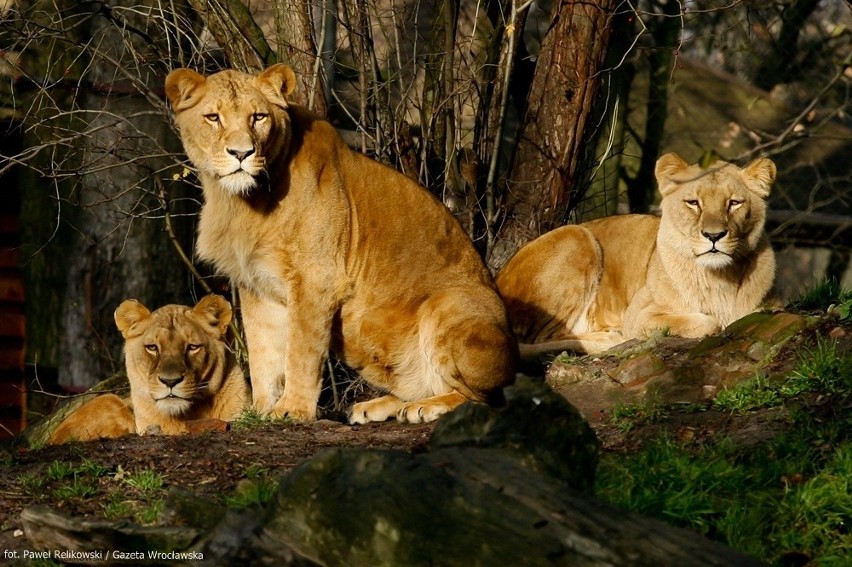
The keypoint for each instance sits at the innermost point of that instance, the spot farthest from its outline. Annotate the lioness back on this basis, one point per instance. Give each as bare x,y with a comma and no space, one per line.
332,250
705,263
551,285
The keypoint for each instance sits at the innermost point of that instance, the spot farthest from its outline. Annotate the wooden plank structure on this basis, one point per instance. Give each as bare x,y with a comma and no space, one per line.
13,398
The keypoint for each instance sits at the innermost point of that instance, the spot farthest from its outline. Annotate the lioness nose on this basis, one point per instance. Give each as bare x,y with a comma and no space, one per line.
714,236
240,154
171,382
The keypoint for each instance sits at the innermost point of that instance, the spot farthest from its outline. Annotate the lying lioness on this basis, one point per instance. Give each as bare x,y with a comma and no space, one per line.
705,263
180,370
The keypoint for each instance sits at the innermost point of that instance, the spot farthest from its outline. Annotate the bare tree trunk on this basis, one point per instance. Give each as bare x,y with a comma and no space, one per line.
298,48
666,32
779,65
439,112
543,171
507,18
232,25
104,231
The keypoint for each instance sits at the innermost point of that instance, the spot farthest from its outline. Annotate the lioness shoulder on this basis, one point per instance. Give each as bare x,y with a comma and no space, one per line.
331,250
700,266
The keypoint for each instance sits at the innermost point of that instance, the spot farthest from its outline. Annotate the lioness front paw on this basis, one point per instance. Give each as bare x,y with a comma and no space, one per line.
264,405
296,411
419,412
379,409
700,326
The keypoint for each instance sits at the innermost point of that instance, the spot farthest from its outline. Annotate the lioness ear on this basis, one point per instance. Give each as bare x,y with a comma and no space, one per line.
128,314
761,175
277,82
180,86
667,166
214,311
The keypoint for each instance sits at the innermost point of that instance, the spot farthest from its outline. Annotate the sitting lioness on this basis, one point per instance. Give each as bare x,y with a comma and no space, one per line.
334,251
179,369
705,263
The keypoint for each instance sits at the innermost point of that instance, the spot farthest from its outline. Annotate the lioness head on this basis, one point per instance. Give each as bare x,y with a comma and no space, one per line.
176,354
230,122
715,215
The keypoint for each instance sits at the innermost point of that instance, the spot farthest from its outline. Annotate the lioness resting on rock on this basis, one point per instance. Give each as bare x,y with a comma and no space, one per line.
704,264
332,250
179,368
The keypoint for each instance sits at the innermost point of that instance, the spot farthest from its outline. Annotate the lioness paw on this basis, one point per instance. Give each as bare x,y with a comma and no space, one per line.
298,412
420,412
379,409
700,325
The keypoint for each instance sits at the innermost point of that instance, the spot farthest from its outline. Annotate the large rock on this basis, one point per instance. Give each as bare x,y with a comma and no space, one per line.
672,369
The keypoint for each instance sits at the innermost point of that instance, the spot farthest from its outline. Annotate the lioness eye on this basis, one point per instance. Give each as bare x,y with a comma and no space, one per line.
151,349
212,118
192,348
692,202
733,203
258,117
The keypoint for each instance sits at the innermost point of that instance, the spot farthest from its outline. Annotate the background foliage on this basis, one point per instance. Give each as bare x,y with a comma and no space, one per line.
520,116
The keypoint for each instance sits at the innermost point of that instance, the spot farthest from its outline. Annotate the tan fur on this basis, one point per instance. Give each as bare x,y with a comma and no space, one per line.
591,286
178,364
105,416
333,250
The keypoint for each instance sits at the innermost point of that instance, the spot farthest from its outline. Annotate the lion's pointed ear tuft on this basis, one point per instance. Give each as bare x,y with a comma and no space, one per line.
760,175
181,85
278,82
215,312
128,315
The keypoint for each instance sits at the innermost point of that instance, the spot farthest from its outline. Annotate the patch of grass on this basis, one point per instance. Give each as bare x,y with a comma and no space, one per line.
116,507
819,369
822,368
145,502
147,482
822,296
57,470
748,395
32,484
767,502
566,357
62,480
256,488
627,416
150,513
78,487
782,501
91,468
251,418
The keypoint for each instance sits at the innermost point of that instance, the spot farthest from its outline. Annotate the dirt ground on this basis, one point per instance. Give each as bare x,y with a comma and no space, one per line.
214,463
209,464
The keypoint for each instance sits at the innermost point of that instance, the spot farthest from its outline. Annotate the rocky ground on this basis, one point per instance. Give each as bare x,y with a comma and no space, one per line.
676,374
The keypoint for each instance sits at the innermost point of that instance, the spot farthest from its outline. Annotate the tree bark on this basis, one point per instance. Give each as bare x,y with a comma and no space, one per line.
236,32
103,236
298,49
779,65
544,165
666,31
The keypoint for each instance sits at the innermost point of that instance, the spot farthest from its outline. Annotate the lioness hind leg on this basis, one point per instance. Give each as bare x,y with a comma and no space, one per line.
105,416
